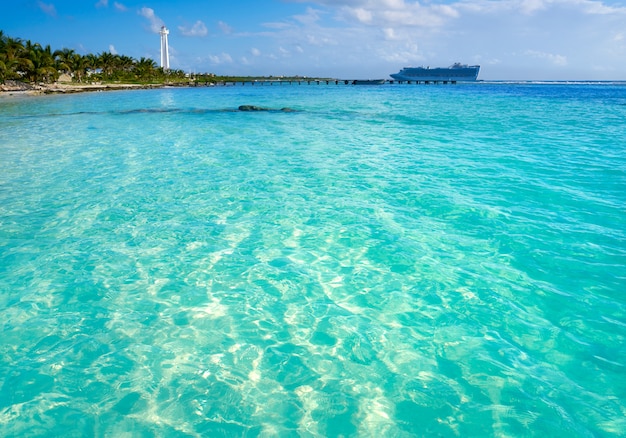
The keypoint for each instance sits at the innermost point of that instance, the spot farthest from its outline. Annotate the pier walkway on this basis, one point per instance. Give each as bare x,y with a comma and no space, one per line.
280,82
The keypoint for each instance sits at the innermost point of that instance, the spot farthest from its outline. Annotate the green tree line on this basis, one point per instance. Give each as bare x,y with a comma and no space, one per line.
31,62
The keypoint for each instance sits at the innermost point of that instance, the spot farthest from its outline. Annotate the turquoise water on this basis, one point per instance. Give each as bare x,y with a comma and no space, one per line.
391,261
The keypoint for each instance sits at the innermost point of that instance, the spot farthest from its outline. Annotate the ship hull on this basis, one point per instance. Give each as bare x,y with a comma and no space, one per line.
454,73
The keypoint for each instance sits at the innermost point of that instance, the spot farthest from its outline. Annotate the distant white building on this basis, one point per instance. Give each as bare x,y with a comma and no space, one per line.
165,52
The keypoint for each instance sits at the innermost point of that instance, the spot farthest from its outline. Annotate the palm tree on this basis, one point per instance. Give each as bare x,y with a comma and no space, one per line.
91,62
106,61
80,65
145,68
180,74
40,65
125,63
64,60
13,58
3,66
3,41
122,67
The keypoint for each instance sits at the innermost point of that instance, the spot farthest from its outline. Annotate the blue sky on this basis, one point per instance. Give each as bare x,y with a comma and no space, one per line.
355,39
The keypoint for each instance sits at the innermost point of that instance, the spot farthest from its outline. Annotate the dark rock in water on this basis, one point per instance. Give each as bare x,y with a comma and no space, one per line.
260,108
252,108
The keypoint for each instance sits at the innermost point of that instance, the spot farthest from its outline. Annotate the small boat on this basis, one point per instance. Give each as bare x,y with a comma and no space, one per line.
368,82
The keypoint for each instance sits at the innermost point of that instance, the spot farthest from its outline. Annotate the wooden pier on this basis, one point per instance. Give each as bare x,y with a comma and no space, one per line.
281,82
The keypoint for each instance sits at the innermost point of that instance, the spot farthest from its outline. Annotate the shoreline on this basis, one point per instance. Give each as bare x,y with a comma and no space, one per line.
16,88
20,88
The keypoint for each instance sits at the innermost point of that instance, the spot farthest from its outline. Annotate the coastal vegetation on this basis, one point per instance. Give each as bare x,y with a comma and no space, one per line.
29,62
26,61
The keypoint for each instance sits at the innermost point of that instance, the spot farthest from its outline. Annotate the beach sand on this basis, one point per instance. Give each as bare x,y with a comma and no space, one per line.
15,87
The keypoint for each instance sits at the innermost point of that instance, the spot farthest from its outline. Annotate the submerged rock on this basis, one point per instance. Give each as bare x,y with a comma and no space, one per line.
261,108
252,108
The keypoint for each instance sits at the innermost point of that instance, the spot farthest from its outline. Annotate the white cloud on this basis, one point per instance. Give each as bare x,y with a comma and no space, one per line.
389,33
311,16
155,22
278,25
362,15
528,7
102,4
394,13
120,7
197,30
598,7
255,51
409,54
225,28
322,40
112,49
559,60
223,58
48,9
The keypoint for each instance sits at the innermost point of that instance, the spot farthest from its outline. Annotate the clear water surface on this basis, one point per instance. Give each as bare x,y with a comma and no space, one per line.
394,261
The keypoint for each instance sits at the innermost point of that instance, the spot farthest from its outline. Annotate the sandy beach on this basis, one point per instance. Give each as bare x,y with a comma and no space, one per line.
15,87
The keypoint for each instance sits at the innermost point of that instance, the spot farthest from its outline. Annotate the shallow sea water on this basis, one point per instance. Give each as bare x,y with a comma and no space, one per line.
392,261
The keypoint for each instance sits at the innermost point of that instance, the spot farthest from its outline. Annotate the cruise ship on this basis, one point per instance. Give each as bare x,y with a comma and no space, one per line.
456,72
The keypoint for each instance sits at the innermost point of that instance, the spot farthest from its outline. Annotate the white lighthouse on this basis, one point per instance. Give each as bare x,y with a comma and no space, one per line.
165,53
